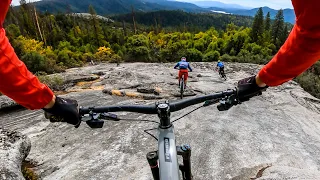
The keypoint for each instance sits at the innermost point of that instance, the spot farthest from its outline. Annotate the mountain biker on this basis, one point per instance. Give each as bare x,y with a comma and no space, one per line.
23,87
220,65
183,70
300,51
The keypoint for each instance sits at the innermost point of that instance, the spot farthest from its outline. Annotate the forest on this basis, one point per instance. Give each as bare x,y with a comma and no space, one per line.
49,43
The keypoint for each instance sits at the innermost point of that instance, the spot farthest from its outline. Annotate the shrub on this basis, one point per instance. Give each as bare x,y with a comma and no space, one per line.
104,54
211,56
55,82
310,83
228,58
140,53
35,62
192,55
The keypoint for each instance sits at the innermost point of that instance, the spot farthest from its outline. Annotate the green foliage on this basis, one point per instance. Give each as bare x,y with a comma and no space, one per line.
310,82
192,54
35,62
211,56
257,26
278,29
55,82
267,23
182,21
13,31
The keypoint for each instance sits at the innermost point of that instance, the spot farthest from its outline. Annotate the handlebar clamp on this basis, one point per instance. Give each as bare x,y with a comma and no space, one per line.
93,120
227,102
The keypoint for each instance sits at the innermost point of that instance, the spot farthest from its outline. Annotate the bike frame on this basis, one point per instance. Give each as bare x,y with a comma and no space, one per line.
168,168
163,162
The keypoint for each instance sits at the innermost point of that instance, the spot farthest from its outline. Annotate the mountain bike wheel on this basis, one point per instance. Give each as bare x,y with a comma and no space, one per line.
224,76
181,87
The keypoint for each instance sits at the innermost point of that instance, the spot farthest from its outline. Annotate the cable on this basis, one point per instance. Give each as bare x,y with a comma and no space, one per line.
143,120
188,113
146,131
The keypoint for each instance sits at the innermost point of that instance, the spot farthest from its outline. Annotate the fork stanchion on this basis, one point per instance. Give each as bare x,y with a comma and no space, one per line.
185,152
152,158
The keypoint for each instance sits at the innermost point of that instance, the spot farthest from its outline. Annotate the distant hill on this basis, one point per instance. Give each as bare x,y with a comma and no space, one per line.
111,7
289,15
104,7
192,21
217,4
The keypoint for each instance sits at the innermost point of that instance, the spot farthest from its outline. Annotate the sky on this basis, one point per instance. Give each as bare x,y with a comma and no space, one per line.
16,2
275,4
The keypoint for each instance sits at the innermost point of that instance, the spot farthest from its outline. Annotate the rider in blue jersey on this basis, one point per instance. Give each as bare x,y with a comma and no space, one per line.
183,69
220,65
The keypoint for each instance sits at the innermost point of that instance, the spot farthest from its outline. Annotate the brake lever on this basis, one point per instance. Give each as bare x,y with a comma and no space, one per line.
93,120
210,102
109,116
227,102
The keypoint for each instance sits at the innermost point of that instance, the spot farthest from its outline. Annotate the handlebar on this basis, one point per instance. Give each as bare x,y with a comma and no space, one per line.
152,109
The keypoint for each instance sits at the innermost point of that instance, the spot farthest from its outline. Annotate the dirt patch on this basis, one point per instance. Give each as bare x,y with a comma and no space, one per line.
28,171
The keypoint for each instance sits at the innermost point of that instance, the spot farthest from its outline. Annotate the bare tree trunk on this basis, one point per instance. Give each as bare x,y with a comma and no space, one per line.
36,16
124,28
134,22
155,20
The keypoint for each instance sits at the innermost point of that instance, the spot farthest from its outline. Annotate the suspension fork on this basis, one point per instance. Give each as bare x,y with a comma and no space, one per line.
152,158
185,152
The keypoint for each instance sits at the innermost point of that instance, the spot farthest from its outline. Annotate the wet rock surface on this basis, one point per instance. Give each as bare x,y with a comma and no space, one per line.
273,136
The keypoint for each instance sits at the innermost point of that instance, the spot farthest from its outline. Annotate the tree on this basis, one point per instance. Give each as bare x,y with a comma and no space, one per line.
278,28
257,26
98,37
267,22
284,35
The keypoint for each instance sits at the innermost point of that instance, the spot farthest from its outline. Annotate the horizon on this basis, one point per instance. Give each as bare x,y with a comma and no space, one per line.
274,4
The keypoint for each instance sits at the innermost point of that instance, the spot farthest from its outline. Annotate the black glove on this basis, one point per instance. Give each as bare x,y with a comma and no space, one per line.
64,110
248,88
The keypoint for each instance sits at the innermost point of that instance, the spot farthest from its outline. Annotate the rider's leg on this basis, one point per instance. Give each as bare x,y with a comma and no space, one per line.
185,79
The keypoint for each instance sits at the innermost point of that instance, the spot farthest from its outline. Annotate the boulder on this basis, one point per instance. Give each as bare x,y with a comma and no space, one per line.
6,102
75,78
14,148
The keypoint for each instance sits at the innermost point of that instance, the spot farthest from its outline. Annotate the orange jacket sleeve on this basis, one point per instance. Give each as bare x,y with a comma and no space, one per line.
302,48
15,80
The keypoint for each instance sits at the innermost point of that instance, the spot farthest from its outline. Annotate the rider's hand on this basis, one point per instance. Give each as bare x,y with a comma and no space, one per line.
248,88
64,110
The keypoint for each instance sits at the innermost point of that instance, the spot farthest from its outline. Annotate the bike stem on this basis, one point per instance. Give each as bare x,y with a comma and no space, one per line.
164,115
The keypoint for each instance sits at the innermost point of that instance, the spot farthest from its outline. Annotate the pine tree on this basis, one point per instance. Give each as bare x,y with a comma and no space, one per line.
278,28
267,23
98,36
284,35
257,26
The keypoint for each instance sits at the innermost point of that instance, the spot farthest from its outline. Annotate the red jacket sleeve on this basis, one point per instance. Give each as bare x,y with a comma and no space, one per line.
302,48
15,80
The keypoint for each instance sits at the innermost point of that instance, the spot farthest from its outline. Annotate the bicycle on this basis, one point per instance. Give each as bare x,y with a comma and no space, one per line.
222,74
163,162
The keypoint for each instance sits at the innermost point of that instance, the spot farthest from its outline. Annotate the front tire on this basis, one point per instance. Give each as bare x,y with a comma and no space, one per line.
181,87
